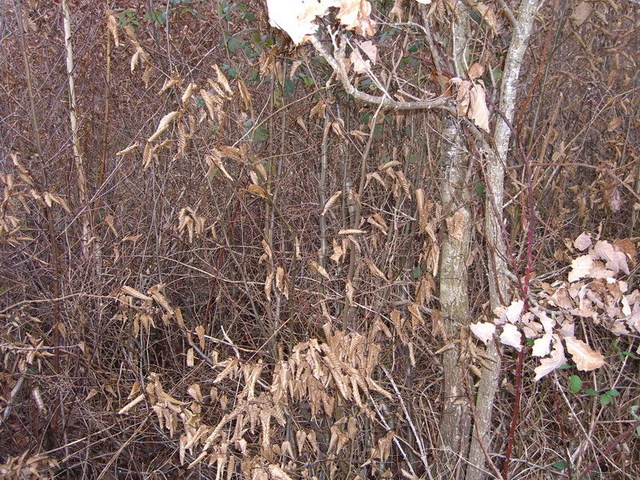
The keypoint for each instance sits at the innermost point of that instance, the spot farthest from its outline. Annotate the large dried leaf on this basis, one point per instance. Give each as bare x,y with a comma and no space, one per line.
615,260
511,336
478,110
484,331
557,358
585,358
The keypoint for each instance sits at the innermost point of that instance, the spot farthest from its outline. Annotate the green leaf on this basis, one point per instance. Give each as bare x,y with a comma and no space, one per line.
289,88
575,383
560,465
613,393
234,42
629,354
416,272
592,392
605,400
481,190
261,134
365,118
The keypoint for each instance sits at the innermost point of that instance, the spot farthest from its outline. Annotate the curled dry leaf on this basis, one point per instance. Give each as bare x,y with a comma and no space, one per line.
475,71
557,358
478,110
163,125
585,358
615,260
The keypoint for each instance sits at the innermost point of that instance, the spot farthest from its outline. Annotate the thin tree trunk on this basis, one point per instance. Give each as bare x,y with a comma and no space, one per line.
455,420
497,251
85,216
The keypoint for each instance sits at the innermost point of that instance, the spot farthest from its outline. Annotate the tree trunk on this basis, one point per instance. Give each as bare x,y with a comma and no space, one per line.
455,421
497,251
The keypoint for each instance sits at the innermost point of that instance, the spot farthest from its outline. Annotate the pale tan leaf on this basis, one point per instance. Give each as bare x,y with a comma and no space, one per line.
484,331
585,358
359,64
112,25
389,164
455,225
614,124
131,404
478,110
222,80
511,336
488,14
351,231
370,50
583,241
201,338
375,270
163,125
195,392
580,268
190,359
542,346
315,266
397,12
135,293
331,202
318,109
300,122
360,135
581,13
557,358
349,291
188,92
174,79
475,71
615,260
257,190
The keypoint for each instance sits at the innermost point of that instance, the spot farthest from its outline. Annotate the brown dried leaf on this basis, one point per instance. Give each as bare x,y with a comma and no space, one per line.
478,110
475,71
585,358
163,125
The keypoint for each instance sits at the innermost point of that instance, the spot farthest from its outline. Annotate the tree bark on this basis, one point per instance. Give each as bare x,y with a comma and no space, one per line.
454,301
497,250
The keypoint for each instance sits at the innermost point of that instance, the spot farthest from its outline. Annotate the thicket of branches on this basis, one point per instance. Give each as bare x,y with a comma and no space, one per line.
229,268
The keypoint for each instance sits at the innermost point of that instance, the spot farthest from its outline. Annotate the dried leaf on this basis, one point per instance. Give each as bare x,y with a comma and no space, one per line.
581,13
135,293
475,71
583,241
557,358
511,336
484,331
580,268
163,125
456,225
585,358
488,15
542,346
615,260
331,202
478,110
